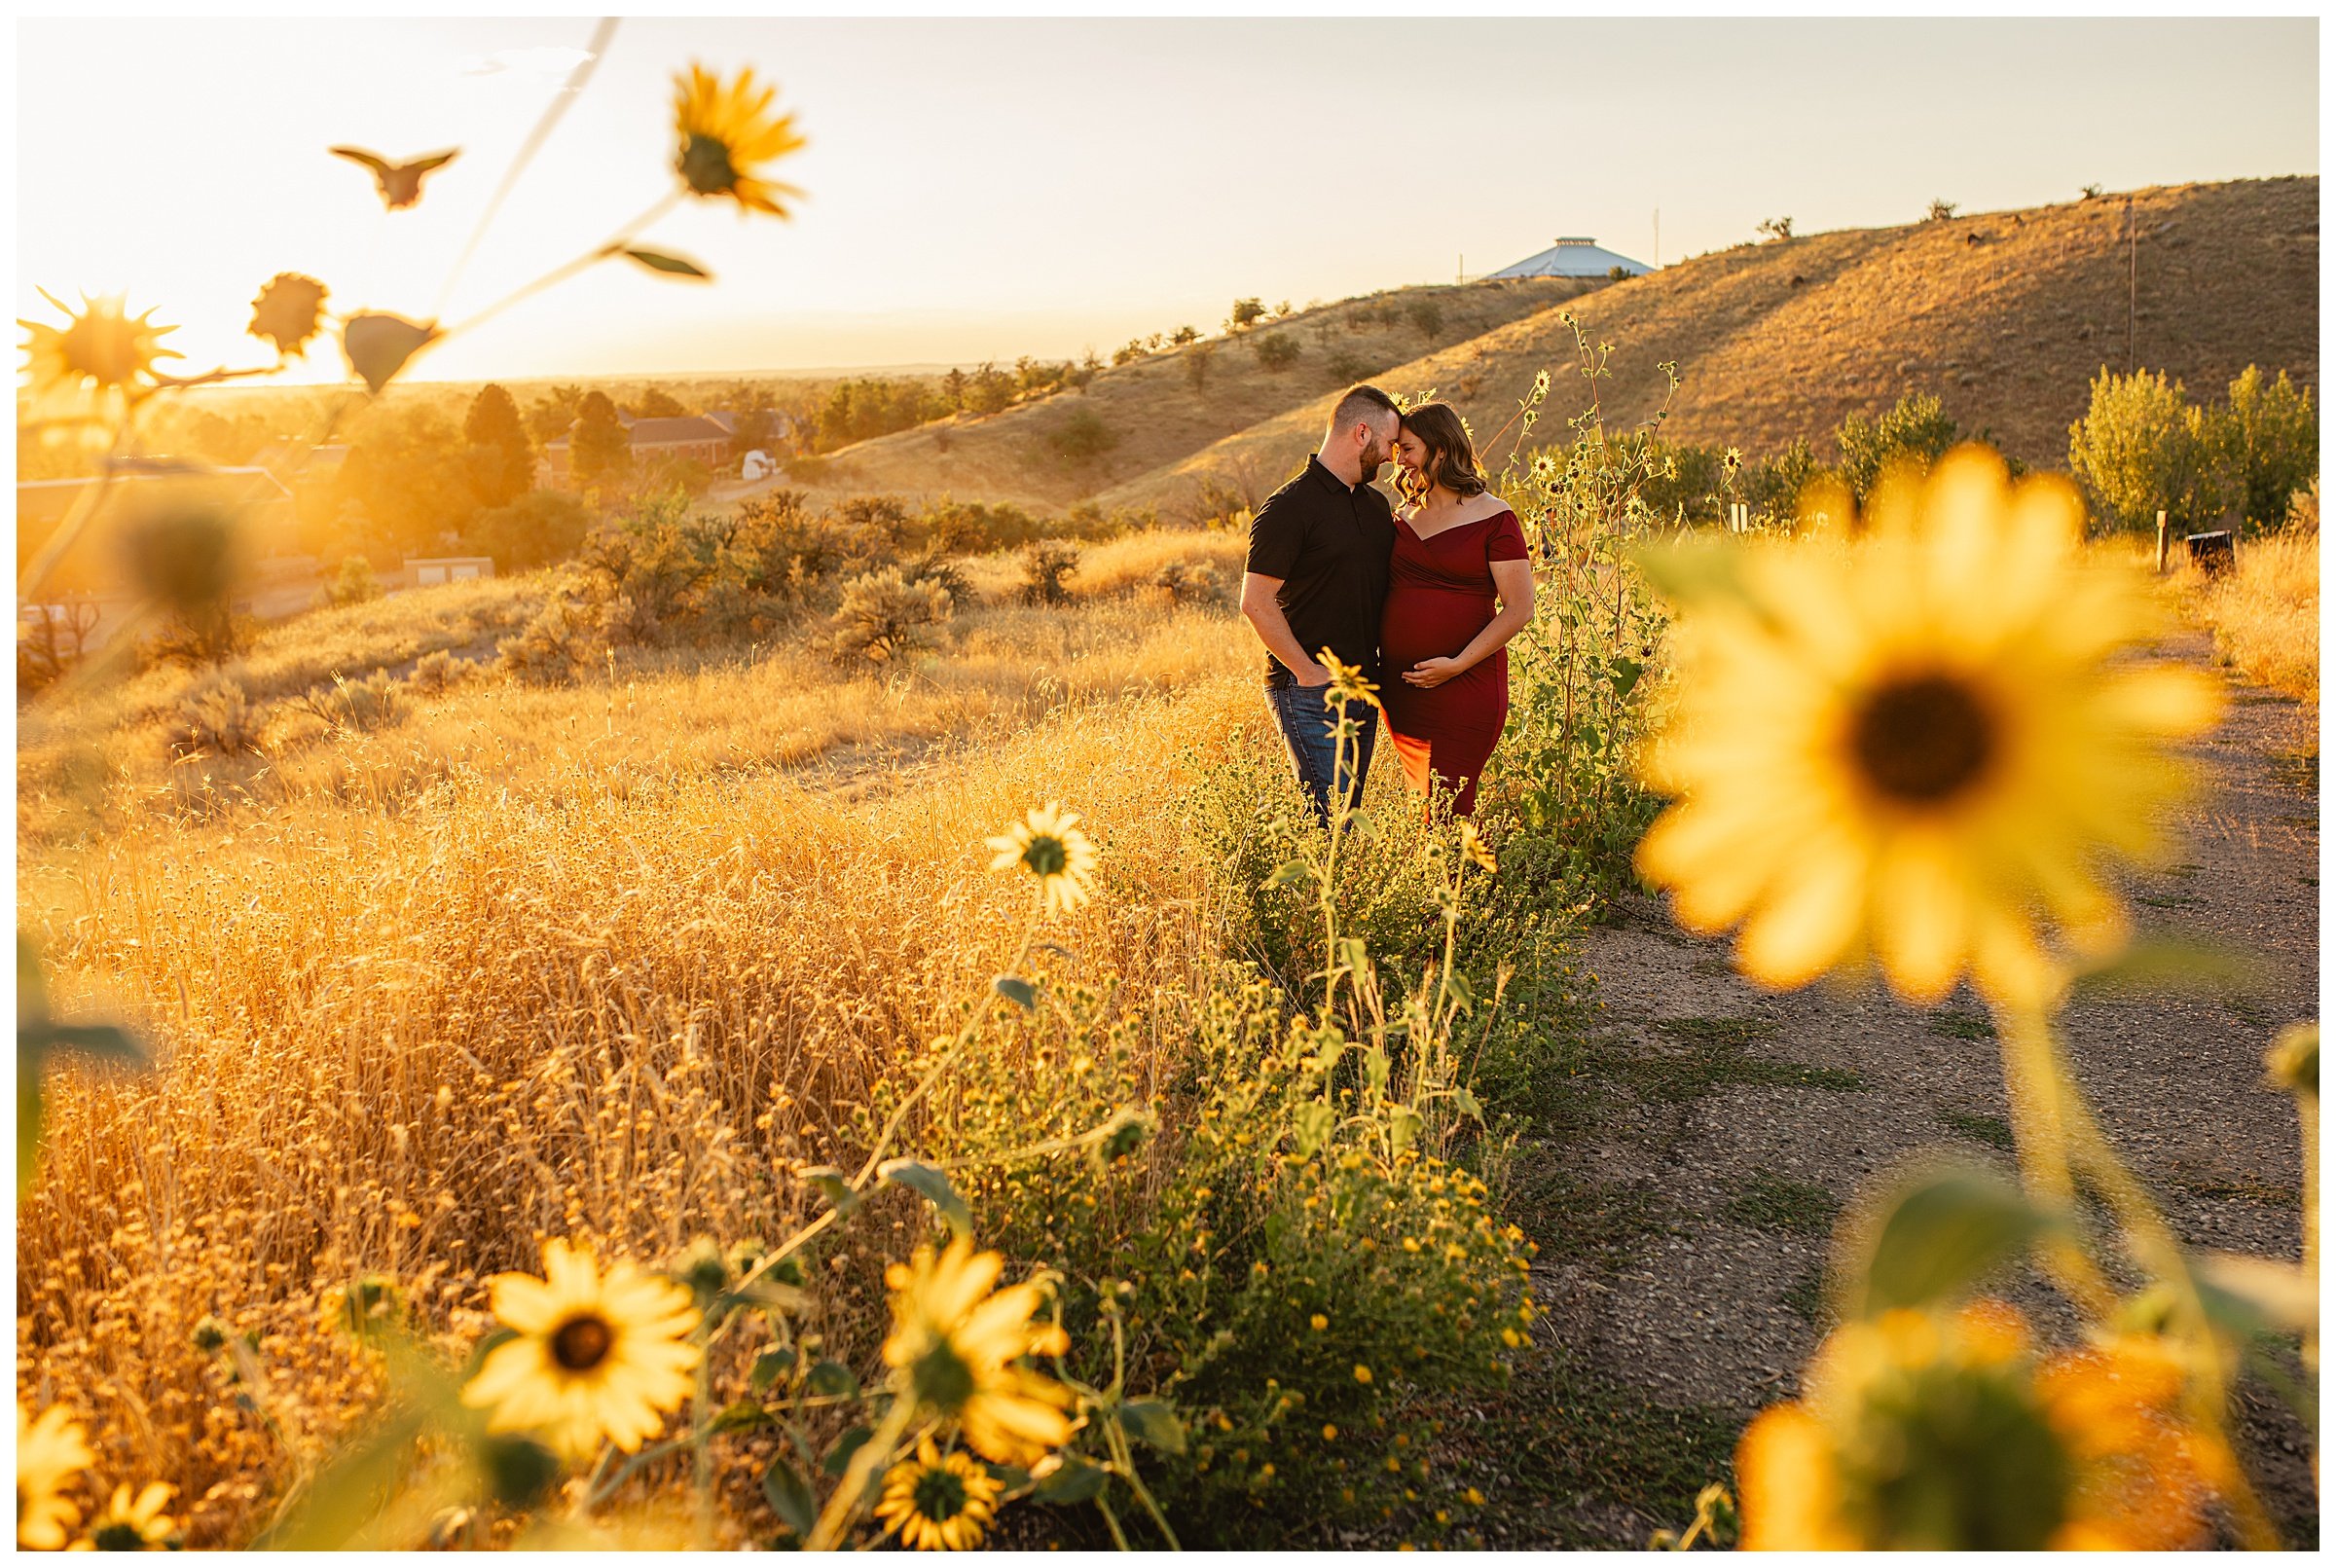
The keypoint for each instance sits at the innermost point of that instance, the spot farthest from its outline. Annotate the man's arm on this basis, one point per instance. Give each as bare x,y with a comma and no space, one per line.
1262,604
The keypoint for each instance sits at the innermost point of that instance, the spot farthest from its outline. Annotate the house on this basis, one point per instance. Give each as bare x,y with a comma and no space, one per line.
1573,257
695,437
426,571
138,492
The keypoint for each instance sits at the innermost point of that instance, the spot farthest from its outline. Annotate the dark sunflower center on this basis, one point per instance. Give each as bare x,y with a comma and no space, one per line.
940,1495
941,1378
117,1537
1046,856
705,166
582,1344
1924,738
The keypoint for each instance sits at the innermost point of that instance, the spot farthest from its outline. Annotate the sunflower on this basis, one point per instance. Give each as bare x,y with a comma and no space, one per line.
1920,746
1937,1431
102,351
597,1354
725,132
288,312
936,1503
131,1524
50,1452
1048,844
957,1345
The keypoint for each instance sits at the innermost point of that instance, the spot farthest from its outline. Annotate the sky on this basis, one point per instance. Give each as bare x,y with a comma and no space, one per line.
985,189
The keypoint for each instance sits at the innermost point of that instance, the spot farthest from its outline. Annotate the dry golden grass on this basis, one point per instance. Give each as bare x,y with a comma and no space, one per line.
1785,339
591,960
2265,616
1157,412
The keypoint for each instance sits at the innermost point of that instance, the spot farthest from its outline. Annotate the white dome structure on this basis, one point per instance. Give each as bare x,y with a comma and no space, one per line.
1574,257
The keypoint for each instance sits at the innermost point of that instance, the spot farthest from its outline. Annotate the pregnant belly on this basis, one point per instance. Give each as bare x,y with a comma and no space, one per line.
1427,624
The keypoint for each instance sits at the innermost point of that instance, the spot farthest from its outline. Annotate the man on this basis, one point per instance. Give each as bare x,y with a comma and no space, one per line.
1317,580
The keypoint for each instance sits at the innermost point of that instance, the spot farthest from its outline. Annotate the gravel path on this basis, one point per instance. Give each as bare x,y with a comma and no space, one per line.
1720,1128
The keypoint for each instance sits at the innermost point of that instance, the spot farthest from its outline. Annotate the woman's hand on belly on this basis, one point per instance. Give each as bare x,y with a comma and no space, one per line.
1432,672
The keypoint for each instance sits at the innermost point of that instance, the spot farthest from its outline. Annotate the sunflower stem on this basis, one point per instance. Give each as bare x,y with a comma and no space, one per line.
612,247
843,1504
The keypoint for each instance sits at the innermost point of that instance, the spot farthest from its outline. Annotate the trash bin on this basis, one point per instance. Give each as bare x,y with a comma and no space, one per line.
2211,553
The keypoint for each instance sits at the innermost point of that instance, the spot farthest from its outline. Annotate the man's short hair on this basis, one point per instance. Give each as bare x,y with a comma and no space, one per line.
1362,403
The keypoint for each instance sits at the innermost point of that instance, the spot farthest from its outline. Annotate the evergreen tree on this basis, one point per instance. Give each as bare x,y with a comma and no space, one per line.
501,459
600,448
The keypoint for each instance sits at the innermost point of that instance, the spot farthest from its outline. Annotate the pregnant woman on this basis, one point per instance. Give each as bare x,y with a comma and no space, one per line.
1459,587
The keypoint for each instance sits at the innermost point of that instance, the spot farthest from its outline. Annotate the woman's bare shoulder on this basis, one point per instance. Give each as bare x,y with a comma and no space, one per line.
1489,504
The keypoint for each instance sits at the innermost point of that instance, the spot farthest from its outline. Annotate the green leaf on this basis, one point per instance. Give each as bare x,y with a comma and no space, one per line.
1312,1126
1466,1101
1020,992
839,1457
1377,1066
28,1117
1458,985
1154,1422
834,1379
1403,1126
657,261
1693,570
1624,676
832,1186
934,1185
105,1041
1074,1480
740,1416
1288,874
770,1367
789,1498
1935,1238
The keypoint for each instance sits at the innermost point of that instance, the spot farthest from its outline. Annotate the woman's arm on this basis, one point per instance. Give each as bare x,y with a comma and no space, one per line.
1513,579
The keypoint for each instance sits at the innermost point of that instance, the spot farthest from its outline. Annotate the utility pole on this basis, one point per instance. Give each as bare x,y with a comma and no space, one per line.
1659,236
2133,287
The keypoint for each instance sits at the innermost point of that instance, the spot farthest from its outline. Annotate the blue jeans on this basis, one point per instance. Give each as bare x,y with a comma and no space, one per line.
1310,729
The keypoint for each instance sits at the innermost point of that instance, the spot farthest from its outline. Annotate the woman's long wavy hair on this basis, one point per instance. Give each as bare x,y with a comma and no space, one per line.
1451,458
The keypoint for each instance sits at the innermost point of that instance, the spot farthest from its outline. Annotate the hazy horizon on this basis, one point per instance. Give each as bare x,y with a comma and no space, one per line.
982,189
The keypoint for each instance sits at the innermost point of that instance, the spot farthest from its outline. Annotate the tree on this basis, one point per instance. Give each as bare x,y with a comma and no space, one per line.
1083,436
1278,352
1185,334
1246,314
2271,441
757,431
2143,447
1938,211
992,389
657,404
601,449
409,477
539,528
953,388
1916,429
1427,316
1776,228
548,420
501,457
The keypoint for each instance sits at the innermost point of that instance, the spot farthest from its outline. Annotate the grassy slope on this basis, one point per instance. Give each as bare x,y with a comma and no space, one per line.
1785,339
1151,405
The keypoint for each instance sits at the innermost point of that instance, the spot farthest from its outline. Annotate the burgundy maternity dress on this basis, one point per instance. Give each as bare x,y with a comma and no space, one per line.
1439,594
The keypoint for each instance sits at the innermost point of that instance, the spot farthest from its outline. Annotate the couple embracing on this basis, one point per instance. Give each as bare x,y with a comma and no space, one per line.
1422,597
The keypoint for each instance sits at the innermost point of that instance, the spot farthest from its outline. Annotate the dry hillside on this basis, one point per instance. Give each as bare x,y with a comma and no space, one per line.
1158,417
2005,316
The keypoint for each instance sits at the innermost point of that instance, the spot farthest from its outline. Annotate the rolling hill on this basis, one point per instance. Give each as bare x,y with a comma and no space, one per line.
2006,316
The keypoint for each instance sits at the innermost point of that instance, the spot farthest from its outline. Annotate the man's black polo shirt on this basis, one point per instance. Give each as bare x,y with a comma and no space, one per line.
1329,546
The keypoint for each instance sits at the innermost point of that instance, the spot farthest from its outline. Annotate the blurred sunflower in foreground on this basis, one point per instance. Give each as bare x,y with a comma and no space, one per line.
1047,842
726,135
1937,1431
595,1355
131,1523
50,1452
100,351
936,1503
958,1345
1920,747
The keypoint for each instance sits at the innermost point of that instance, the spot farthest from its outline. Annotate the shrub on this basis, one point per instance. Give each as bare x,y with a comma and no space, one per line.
1045,567
1246,314
1426,317
977,527
1915,432
1938,211
1277,352
2143,447
539,528
1772,487
1350,366
936,568
1775,227
374,703
439,671
354,583
555,643
217,717
1617,273
883,615
1083,436
2271,440
1185,582
1196,365
1184,335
